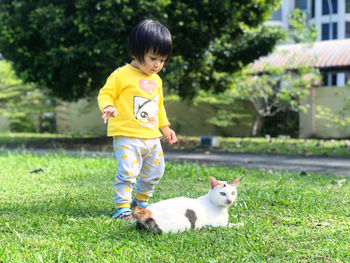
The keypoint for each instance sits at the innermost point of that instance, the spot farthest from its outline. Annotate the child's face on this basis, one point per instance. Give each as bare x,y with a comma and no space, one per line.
153,63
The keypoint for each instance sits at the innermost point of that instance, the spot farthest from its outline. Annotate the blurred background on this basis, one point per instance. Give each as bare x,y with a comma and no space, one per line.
247,68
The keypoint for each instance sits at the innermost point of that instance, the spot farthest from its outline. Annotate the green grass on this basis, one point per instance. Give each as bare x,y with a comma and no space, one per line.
62,214
305,147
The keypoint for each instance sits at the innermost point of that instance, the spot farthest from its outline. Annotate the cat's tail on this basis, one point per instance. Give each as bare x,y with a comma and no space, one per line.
144,217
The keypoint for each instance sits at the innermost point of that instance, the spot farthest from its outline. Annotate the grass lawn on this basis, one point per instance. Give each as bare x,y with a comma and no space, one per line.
61,213
306,147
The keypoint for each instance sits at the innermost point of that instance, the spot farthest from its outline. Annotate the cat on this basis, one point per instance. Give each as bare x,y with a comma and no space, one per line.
180,214
146,111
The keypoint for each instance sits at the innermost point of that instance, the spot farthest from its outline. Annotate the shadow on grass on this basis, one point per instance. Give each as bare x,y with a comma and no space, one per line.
56,207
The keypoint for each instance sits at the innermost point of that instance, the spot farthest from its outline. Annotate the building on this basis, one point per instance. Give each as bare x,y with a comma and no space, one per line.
332,58
330,54
331,17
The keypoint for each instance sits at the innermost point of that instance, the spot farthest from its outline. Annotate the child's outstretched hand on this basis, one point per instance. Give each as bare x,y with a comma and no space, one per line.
169,134
108,112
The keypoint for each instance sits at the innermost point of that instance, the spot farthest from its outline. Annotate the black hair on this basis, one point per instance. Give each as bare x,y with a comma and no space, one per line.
150,35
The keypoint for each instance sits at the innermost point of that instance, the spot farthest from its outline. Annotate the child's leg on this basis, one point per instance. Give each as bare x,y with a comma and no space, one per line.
129,160
152,170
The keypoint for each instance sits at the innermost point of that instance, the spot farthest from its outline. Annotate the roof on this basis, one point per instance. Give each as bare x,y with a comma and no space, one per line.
322,55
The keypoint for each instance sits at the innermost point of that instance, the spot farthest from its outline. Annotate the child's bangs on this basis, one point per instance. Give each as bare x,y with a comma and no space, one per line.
162,48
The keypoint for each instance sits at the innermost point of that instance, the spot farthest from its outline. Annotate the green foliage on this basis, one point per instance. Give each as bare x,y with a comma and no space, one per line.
270,92
231,110
303,147
275,90
25,105
283,123
301,30
72,46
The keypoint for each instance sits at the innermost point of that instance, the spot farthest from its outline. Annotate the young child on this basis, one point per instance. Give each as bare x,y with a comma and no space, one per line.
132,102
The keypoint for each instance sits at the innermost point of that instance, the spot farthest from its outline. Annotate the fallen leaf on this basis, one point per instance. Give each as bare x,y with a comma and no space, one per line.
322,224
36,171
235,224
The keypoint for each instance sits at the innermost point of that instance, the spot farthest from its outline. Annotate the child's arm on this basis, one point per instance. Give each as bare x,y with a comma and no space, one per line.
109,111
169,134
108,95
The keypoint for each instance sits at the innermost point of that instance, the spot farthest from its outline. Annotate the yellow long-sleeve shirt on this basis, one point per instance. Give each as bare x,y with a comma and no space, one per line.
138,99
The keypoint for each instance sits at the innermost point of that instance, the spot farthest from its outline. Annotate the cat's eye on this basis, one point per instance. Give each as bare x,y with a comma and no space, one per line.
233,193
223,193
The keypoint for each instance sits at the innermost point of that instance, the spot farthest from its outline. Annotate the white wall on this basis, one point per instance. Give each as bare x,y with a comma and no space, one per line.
332,98
4,124
81,117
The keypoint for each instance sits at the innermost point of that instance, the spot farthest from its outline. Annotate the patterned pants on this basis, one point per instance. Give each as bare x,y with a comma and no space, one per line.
136,157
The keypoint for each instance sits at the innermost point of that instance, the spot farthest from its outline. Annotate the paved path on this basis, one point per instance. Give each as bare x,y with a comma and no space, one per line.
326,165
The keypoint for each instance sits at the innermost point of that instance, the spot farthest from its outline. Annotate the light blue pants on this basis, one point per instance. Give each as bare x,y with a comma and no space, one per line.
142,158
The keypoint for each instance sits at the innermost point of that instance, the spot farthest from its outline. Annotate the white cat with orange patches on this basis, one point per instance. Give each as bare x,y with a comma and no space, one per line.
180,214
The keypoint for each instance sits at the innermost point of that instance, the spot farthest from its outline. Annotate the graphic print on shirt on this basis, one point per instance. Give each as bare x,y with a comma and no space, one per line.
146,111
148,86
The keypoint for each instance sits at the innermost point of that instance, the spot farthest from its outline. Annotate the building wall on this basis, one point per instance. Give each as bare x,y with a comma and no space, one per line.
81,117
4,124
84,117
192,120
333,99
282,15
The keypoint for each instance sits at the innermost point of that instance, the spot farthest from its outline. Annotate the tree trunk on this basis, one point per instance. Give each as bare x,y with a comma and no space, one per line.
256,126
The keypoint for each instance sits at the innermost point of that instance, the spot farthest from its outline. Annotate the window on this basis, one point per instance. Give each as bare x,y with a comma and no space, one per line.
335,31
347,6
325,31
347,29
313,8
333,79
326,8
329,79
301,4
324,79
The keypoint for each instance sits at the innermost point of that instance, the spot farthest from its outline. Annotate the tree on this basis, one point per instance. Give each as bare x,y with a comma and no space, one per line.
301,29
276,90
26,105
270,92
72,46
230,109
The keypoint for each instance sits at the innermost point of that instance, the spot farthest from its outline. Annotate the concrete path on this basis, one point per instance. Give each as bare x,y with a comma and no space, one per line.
326,165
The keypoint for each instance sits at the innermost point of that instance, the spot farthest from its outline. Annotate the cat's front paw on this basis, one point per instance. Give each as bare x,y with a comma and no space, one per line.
235,224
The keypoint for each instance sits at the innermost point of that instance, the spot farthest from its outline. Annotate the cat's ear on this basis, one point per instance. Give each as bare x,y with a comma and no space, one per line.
235,182
213,182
